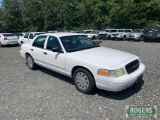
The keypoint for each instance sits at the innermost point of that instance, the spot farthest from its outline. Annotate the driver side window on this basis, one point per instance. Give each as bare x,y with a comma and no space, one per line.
52,43
26,36
31,36
39,42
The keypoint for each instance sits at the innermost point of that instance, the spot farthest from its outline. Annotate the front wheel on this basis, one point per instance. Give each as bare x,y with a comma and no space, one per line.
30,62
141,38
124,38
83,80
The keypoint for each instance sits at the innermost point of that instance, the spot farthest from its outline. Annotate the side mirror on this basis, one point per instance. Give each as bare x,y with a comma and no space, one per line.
56,49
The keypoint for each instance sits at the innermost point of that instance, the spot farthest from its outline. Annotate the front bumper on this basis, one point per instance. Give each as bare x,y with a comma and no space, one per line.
117,37
134,38
119,83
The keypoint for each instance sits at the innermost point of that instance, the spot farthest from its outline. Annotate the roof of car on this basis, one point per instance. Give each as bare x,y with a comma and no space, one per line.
36,32
62,34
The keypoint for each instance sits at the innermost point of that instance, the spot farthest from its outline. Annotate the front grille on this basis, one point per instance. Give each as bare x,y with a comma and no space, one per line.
131,36
115,34
133,66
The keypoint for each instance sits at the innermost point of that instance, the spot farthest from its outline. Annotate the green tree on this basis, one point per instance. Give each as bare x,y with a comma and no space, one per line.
53,14
33,16
12,15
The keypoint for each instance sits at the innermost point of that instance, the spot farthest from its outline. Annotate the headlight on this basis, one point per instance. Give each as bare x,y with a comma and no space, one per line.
112,73
136,35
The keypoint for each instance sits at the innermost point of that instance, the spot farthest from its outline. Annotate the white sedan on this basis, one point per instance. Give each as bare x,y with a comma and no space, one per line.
87,63
8,39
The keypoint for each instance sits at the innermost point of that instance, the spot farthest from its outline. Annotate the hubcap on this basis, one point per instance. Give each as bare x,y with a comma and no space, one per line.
30,62
82,80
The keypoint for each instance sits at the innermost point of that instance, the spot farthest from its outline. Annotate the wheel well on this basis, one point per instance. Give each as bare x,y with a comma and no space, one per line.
26,55
76,67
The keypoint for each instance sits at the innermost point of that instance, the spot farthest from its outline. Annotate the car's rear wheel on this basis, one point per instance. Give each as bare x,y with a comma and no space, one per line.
30,62
1,44
83,80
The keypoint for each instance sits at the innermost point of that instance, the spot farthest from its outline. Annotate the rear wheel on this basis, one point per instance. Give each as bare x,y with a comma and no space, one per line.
1,44
30,62
83,80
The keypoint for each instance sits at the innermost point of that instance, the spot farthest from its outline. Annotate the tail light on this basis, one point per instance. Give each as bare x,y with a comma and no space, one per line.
5,38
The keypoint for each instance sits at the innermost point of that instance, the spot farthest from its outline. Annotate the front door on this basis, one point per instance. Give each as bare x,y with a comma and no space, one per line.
56,60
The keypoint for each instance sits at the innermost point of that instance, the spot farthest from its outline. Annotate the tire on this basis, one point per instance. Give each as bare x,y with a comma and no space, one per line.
83,80
124,38
141,38
30,62
1,44
109,37
21,43
93,38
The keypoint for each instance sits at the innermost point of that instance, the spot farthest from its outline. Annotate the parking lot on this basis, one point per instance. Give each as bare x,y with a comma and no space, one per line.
45,95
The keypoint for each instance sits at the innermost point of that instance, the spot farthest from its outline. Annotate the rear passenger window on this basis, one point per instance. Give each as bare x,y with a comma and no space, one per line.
39,41
31,36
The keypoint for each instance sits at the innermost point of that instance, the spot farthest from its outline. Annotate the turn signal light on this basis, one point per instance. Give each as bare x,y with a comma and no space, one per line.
103,72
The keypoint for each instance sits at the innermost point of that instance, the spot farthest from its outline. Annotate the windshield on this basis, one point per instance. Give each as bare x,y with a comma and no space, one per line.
107,30
121,30
137,31
8,35
113,31
77,43
93,32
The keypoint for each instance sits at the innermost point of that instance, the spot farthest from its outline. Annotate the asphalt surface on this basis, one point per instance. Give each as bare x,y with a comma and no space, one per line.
45,95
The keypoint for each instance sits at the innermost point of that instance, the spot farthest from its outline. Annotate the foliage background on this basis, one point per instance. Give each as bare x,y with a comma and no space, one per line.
45,15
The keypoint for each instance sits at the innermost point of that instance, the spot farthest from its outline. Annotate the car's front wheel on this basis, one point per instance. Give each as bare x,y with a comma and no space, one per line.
30,62
141,38
124,38
21,43
83,80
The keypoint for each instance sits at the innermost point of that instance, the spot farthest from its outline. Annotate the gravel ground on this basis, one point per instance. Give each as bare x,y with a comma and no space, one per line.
45,95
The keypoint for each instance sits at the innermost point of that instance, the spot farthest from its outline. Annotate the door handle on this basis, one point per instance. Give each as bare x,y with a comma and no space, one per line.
45,53
31,49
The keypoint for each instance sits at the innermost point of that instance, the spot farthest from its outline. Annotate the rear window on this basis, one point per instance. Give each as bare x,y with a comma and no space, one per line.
20,34
8,35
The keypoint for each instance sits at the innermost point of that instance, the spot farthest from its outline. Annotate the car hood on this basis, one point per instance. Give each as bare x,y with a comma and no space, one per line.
104,56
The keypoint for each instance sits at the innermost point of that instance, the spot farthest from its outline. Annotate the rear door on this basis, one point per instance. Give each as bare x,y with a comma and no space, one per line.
37,49
31,36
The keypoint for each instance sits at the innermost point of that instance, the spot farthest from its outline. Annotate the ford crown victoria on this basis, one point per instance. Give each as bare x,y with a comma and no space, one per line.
87,63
